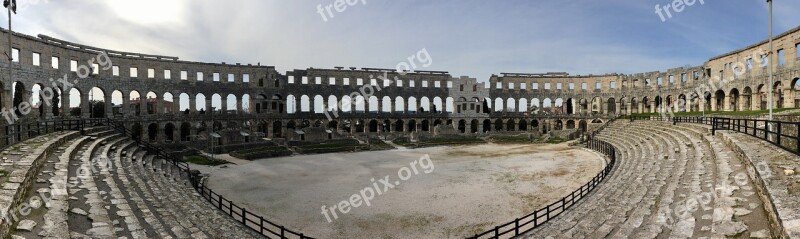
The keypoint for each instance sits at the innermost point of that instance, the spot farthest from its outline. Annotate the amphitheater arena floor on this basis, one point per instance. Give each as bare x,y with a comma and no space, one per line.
470,188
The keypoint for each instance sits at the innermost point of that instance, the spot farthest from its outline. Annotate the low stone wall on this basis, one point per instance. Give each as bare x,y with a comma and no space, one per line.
766,193
23,174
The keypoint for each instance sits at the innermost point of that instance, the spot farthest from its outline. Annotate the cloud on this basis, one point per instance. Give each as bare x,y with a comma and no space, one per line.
473,38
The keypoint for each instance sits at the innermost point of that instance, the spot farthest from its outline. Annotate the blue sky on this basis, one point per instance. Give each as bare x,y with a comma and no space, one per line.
465,37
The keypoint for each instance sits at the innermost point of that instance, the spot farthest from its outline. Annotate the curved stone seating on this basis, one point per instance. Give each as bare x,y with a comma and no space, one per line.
671,181
95,189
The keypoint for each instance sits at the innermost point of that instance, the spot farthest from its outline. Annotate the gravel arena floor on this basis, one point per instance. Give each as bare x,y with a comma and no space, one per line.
469,188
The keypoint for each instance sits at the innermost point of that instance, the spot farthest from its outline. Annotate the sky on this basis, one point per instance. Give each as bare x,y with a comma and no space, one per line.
465,37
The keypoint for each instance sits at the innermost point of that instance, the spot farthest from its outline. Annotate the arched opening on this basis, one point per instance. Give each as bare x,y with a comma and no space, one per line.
570,124
186,131
412,126
152,132
523,125
511,125
474,126
277,130
75,102
426,126
487,125
116,103
720,100
136,131
734,99
97,103
151,102
200,103
168,103
399,126
583,125
373,126
570,107
612,107
498,125
462,126
169,132
18,94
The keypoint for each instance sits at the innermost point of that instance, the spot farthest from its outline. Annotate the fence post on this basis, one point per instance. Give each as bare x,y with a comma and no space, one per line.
714,126
516,227
244,216
779,133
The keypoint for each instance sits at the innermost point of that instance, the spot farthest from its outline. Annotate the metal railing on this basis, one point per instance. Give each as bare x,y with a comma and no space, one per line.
784,134
253,221
543,215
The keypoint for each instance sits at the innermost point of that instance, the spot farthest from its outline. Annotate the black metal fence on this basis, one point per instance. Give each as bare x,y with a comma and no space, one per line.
541,216
784,134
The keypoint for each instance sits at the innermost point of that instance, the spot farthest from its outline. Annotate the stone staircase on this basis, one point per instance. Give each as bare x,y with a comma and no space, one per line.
105,186
670,182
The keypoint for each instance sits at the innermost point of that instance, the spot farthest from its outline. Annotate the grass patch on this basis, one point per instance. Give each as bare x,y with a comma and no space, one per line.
262,152
203,160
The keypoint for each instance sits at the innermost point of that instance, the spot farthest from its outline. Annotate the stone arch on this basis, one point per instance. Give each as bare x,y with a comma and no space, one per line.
373,104
473,126
169,132
399,104
386,104
498,125
437,105
570,124
747,99
319,104
425,104
150,101
412,105
719,102
216,103
186,131
152,132
449,105
511,125
305,103
511,105
347,104
20,94
426,126
462,126
75,102
167,103
96,102
733,97
498,105
333,104
487,125
200,104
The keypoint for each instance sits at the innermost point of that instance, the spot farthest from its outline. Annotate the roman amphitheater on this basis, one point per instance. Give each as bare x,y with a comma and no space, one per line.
101,143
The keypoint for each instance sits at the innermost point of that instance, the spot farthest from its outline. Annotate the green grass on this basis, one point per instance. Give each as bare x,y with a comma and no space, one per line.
714,113
202,160
556,141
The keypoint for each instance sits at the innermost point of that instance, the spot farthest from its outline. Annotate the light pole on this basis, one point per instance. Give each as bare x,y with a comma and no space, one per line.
11,6
769,61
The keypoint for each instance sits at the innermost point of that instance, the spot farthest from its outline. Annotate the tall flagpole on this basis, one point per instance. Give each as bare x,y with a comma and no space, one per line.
10,58
770,63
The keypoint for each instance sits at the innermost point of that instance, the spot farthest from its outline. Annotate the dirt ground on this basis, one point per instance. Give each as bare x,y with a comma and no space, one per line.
468,189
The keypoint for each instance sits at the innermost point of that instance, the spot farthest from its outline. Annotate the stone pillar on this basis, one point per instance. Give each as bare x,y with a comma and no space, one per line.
208,106
224,105
618,108
143,105
108,106
176,104
192,105
126,105
86,108
239,104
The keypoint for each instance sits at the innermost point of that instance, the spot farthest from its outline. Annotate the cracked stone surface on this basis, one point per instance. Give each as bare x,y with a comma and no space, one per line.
675,181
